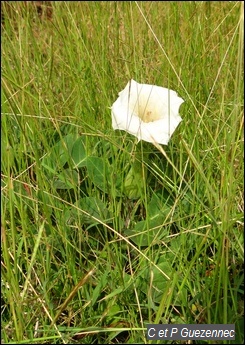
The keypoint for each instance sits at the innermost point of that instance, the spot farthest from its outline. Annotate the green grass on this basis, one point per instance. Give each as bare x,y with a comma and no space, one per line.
101,235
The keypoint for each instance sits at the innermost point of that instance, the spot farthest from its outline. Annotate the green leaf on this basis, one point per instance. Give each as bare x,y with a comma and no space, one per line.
133,185
145,232
78,153
68,179
159,205
151,229
158,282
98,172
98,290
156,285
114,293
59,154
95,208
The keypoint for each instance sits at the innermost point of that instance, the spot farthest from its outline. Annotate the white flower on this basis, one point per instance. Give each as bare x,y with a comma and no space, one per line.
149,112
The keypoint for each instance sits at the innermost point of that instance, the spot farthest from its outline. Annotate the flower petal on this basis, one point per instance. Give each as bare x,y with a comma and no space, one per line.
148,112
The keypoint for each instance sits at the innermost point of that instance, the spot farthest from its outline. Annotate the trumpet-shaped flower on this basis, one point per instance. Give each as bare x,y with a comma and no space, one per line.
149,112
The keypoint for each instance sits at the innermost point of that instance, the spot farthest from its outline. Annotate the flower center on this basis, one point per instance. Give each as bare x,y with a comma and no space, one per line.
147,114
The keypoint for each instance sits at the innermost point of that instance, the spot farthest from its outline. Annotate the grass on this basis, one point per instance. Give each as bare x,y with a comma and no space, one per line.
92,250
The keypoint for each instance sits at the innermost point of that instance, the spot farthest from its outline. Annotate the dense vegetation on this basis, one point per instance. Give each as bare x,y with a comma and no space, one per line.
100,234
